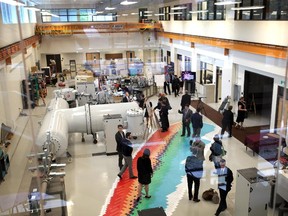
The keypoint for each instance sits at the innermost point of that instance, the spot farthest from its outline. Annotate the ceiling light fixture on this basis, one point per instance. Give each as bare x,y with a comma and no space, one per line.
178,8
128,2
134,13
175,13
46,13
110,8
160,14
200,11
248,8
33,8
227,2
124,14
148,12
12,2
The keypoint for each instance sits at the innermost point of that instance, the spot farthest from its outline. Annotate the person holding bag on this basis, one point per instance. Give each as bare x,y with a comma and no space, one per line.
194,172
216,151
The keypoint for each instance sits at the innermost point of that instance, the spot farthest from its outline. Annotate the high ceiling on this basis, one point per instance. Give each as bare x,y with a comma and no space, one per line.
98,4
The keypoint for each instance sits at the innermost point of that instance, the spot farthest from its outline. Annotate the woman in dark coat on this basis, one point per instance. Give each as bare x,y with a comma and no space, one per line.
241,113
145,173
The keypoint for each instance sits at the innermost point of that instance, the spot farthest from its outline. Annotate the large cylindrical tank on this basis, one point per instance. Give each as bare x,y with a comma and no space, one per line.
60,120
55,123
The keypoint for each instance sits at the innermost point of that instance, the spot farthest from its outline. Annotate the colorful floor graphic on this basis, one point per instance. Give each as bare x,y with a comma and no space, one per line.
168,153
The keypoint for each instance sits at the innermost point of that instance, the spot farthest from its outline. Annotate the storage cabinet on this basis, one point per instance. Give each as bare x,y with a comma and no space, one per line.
33,91
252,193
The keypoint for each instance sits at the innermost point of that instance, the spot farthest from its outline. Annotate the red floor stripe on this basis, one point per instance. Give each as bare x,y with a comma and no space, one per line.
125,194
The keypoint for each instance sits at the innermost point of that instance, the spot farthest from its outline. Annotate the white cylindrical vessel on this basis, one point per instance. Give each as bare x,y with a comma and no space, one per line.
55,123
60,120
135,121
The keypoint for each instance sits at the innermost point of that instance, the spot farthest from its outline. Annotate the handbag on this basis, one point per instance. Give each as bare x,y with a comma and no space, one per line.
224,152
215,198
208,194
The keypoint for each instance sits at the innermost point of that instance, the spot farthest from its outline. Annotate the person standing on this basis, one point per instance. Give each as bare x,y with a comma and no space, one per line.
227,121
241,113
186,119
145,173
225,179
163,113
186,99
167,83
176,85
126,98
194,172
119,136
127,155
200,146
216,151
197,123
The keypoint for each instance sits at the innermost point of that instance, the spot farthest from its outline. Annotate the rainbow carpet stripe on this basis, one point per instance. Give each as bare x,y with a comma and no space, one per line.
168,152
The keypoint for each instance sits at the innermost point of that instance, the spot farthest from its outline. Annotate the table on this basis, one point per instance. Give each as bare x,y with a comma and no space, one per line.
264,144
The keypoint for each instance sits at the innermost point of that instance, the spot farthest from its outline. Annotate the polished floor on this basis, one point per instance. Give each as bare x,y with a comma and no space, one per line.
91,176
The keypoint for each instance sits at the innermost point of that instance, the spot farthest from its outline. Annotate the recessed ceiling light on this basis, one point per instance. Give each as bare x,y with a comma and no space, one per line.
134,13
124,14
200,11
148,12
178,8
128,2
160,14
110,8
248,8
227,2
31,8
175,13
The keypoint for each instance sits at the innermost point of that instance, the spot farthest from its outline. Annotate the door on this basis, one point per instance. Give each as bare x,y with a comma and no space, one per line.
54,62
218,96
93,59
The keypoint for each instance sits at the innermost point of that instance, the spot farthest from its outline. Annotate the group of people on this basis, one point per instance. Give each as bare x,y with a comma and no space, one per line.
176,82
124,149
194,170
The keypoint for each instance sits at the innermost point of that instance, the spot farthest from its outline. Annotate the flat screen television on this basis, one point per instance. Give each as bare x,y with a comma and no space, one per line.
188,75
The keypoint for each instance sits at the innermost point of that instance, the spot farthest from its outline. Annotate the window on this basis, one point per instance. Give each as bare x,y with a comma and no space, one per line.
165,11
213,12
187,63
273,10
77,15
206,73
184,14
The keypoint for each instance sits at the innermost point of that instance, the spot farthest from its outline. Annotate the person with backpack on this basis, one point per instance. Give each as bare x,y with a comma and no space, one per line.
216,151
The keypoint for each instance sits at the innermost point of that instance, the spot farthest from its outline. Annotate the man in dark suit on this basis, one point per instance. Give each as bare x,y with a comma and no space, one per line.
194,172
197,123
126,98
186,99
186,119
227,121
119,136
225,179
127,150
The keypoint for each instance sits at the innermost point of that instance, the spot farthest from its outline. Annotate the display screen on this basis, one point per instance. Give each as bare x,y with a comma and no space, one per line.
188,75
136,69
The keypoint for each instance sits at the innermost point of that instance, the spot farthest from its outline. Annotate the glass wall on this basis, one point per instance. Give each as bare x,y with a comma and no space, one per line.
56,156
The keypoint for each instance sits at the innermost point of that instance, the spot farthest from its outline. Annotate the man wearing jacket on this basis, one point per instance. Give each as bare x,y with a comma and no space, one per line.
227,121
194,172
197,123
119,136
127,155
186,99
225,179
186,119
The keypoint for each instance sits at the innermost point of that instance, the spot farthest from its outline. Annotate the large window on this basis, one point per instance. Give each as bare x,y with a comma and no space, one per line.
210,11
77,15
273,10
9,14
165,13
183,12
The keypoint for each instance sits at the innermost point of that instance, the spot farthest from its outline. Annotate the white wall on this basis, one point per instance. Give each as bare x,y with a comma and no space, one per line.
268,32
